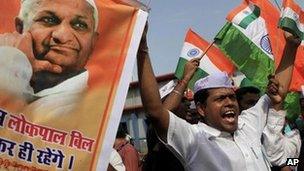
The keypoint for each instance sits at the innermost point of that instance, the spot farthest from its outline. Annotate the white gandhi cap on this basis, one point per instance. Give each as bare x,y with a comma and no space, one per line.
215,80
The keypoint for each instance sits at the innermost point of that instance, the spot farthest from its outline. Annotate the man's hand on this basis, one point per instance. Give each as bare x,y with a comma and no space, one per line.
24,43
292,40
275,91
143,46
190,69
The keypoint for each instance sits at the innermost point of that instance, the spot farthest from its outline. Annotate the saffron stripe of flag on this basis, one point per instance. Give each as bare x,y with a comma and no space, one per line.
213,61
292,18
248,47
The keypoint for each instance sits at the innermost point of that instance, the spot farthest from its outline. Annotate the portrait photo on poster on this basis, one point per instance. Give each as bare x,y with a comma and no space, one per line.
63,64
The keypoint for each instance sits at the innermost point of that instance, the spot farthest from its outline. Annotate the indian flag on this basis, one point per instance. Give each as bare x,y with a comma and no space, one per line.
213,61
246,41
292,18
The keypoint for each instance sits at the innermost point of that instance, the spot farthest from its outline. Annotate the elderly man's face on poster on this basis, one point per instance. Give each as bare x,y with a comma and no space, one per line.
75,101
62,32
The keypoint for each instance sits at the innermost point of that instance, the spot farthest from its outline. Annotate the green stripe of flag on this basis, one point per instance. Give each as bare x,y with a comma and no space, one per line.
292,106
180,70
290,25
250,18
246,55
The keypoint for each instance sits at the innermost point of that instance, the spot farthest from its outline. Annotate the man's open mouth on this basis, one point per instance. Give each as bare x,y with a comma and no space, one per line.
229,116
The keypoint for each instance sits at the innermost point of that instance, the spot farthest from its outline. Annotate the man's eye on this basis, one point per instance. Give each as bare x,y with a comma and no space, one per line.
49,20
233,97
80,26
221,98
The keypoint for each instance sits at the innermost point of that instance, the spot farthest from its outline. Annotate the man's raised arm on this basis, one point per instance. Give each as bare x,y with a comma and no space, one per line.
285,69
279,147
149,91
175,97
277,87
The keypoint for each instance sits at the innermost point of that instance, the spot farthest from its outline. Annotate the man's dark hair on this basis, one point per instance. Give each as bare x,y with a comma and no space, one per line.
201,96
242,91
121,132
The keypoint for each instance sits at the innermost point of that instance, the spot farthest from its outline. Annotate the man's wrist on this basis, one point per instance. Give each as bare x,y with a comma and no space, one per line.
187,78
292,46
183,82
177,92
277,106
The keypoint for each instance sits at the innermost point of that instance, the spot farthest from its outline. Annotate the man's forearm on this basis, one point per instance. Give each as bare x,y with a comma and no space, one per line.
175,97
285,68
150,94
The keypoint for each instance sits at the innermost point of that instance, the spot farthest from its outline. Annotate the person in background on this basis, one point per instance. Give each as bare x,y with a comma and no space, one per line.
247,94
300,126
116,163
127,152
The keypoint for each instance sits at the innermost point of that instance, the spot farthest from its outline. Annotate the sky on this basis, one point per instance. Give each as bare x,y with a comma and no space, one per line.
169,21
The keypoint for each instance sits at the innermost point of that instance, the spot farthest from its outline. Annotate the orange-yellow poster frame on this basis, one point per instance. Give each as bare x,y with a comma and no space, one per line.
80,139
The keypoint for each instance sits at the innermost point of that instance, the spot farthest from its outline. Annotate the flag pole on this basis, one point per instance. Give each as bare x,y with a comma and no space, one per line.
277,4
211,44
148,4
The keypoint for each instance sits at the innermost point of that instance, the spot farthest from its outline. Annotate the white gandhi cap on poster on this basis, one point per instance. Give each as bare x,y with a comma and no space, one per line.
95,13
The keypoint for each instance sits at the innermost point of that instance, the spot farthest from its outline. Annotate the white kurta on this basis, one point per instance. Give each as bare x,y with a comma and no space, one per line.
201,147
279,147
62,98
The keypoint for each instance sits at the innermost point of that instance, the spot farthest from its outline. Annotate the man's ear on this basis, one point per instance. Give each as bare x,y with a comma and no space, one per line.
19,25
201,109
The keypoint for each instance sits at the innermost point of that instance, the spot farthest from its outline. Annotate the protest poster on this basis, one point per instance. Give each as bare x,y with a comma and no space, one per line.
66,118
